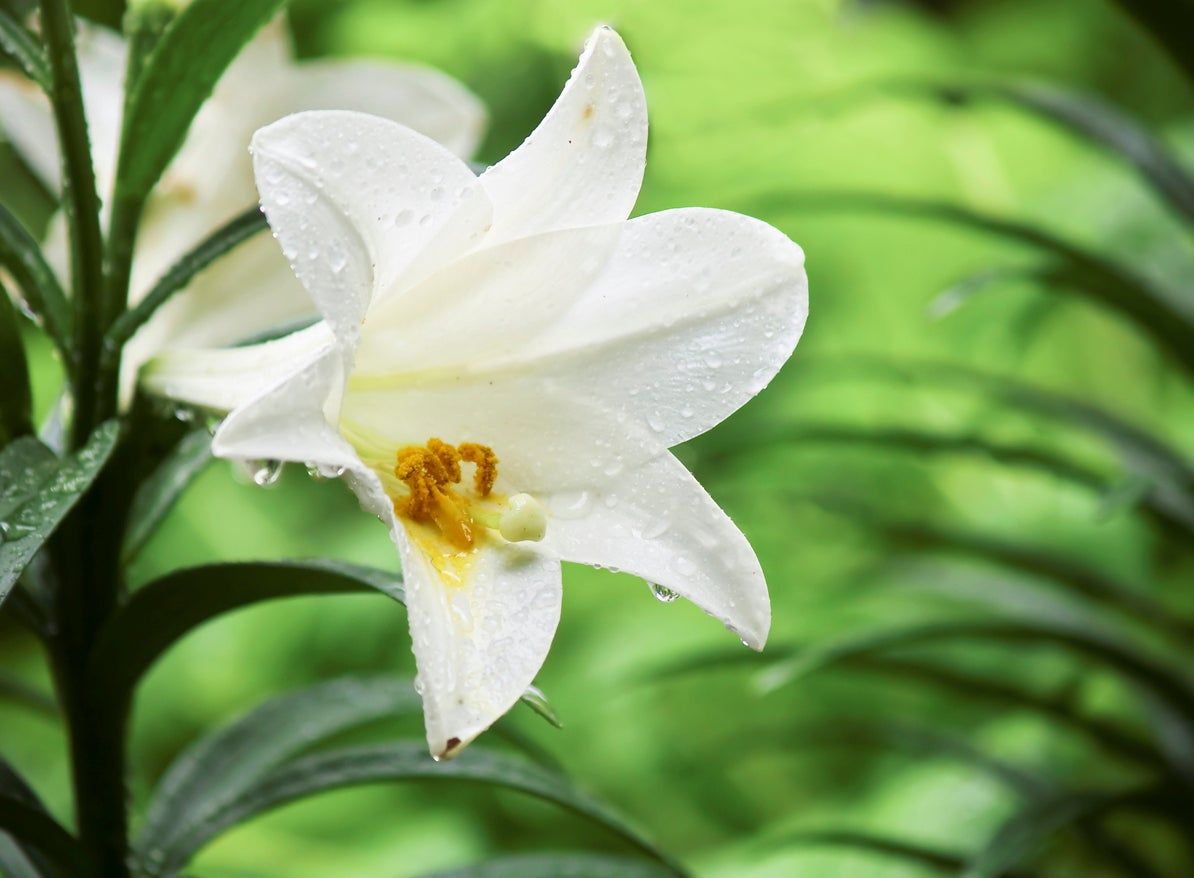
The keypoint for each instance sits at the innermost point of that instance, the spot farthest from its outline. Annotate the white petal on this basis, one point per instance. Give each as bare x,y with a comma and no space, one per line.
479,643
26,119
657,522
693,315
584,164
356,200
223,379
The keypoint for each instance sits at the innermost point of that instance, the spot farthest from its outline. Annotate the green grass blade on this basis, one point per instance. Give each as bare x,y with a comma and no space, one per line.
161,490
227,763
19,44
22,256
221,241
401,761
37,490
39,839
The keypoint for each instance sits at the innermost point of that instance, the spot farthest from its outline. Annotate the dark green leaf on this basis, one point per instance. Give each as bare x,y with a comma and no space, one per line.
22,256
15,400
157,494
352,766
227,763
167,609
14,862
561,865
1169,22
1163,314
144,25
1026,832
224,239
178,76
37,490
21,46
34,838
1087,582
16,692
1166,686
1090,117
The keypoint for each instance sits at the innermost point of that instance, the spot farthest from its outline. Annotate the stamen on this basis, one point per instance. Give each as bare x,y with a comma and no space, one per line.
486,462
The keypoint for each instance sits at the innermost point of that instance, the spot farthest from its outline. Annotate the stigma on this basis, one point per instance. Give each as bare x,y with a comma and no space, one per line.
434,473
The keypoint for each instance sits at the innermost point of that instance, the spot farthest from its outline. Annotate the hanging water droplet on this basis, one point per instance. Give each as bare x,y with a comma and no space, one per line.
266,472
662,594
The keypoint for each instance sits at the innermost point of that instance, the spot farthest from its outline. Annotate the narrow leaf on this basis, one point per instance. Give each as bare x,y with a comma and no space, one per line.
353,766
221,241
21,255
157,494
891,848
16,692
1091,118
1168,21
19,44
1165,315
34,838
37,490
561,865
14,862
227,763
15,396
159,614
178,76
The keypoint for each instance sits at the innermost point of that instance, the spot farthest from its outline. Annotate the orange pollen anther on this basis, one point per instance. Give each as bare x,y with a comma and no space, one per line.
430,472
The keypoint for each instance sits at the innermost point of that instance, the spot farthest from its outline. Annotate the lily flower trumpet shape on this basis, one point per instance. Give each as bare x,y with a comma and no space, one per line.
502,366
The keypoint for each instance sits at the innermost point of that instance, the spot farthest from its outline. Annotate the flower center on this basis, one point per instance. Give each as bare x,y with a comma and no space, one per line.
433,473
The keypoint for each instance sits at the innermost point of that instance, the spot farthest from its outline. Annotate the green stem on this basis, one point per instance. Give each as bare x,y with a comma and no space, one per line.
82,207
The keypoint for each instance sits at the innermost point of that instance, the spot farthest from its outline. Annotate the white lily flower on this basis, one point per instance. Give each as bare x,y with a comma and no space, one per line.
210,181
504,363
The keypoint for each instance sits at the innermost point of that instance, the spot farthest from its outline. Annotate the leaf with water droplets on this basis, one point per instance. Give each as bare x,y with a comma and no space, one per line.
37,490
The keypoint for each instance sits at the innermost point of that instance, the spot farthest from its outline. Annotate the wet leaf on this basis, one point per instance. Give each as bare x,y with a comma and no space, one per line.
157,494
559,865
37,490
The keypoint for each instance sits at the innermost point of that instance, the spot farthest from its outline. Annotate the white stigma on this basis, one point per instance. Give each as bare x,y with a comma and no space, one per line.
523,519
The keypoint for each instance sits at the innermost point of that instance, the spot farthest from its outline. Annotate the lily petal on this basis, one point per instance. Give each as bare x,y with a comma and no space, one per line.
583,165
479,643
657,522
356,200
222,379
693,315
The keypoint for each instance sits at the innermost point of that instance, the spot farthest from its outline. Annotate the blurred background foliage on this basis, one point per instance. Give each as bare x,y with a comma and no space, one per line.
883,479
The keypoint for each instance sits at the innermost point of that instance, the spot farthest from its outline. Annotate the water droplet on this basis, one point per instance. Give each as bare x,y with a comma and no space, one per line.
662,594
266,472
572,504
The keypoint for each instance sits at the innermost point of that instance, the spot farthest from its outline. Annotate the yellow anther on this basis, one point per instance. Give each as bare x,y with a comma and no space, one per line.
431,472
486,462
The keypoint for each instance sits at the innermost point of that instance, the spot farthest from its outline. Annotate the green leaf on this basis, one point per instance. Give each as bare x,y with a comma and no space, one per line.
353,766
1088,116
37,836
1163,314
227,763
167,609
1169,22
221,241
37,490
161,490
14,862
15,398
1025,833
559,865
16,692
22,256
19,44
178,76
1165,686
1087,582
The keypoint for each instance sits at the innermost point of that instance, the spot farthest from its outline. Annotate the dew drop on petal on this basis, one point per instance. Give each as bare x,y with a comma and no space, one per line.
662,594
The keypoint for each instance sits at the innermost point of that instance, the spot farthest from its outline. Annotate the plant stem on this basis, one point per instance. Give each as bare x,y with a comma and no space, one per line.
82,206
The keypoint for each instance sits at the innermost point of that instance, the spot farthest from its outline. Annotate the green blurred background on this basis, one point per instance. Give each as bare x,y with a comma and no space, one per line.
755,105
